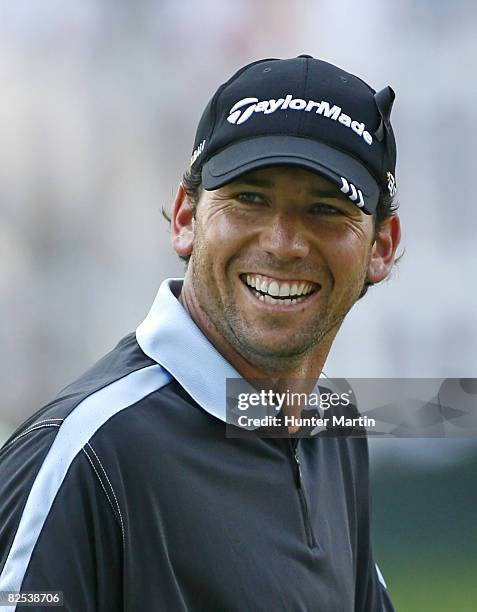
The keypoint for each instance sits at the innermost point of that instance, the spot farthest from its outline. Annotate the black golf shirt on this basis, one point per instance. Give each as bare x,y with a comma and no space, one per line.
125,494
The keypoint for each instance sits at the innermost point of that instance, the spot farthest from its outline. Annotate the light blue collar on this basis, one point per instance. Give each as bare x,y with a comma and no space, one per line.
170,337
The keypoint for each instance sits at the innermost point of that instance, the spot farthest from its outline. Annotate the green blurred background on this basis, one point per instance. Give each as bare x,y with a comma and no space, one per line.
425,529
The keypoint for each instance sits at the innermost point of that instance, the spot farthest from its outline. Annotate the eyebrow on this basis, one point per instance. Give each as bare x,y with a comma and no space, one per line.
315,192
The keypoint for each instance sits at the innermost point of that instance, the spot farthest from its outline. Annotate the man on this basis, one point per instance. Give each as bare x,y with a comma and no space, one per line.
125,493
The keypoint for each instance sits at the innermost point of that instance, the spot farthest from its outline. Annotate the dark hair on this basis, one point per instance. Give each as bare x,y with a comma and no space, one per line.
192,183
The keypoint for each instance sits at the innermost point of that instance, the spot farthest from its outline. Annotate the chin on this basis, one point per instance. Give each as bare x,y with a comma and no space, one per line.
274,350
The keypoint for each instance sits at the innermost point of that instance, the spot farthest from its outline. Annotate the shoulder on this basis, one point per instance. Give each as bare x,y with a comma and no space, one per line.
54,450
119,375
56,436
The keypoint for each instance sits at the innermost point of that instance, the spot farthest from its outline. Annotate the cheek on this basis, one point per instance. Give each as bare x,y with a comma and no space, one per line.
216,245
222,238
346,256
344,245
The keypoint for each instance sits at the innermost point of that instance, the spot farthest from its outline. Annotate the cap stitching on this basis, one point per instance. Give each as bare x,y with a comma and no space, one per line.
300,117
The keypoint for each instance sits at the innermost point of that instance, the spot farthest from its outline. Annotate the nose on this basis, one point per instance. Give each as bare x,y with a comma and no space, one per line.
285,238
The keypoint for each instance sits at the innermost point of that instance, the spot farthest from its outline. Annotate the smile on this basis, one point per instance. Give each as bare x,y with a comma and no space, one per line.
279,292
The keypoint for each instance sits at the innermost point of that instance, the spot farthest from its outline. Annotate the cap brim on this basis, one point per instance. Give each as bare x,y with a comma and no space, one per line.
247,155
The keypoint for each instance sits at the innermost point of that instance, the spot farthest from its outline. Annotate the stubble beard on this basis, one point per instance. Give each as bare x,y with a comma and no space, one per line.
245,339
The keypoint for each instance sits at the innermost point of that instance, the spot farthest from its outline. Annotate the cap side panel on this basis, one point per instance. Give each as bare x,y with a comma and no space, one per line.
217,95
209,116
213,113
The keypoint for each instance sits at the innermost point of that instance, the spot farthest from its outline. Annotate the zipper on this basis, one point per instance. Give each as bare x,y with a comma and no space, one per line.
310,537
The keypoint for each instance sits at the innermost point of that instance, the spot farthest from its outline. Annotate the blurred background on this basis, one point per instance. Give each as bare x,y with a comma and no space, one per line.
98,107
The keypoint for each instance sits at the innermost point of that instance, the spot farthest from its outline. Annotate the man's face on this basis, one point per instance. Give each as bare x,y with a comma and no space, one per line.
279,256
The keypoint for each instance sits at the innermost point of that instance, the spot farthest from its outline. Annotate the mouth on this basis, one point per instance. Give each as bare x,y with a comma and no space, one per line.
277,292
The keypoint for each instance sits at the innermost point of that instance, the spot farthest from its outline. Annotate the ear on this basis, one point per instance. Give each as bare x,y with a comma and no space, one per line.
182,224
384,249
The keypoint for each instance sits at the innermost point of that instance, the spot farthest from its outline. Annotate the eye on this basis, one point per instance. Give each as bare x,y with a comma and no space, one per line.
250,197
326,209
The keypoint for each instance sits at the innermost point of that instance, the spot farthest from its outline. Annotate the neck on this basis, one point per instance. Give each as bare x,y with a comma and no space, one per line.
297,376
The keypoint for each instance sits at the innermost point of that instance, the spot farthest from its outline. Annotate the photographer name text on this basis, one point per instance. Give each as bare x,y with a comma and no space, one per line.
294,421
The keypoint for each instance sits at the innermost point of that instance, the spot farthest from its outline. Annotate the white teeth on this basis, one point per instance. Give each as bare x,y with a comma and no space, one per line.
276,289
268,299
273,288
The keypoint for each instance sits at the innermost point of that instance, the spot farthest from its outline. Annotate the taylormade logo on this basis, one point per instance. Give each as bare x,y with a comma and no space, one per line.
243,110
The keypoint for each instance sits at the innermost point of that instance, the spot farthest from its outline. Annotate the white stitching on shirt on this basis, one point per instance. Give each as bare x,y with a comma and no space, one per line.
82,422
45,421
32,428
104,489
111,486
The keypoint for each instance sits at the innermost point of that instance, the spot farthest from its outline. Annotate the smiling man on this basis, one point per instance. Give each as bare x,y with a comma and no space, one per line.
279,256
125,493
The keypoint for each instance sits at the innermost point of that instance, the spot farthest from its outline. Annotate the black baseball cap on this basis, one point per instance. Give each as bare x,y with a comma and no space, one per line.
300,112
